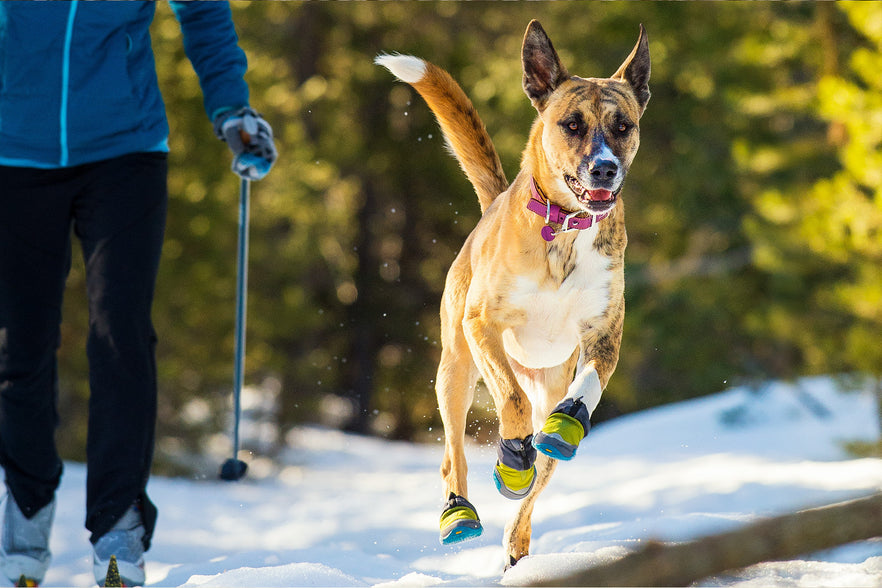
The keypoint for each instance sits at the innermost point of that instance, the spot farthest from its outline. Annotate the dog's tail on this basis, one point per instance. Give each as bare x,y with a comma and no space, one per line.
463,130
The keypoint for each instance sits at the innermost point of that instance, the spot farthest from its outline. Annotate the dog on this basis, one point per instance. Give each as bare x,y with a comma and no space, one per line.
534,302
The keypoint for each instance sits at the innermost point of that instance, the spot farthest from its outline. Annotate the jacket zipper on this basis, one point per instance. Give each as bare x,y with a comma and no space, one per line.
65,84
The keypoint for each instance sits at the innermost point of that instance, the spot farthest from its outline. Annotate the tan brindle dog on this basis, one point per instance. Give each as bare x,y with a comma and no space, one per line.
534,302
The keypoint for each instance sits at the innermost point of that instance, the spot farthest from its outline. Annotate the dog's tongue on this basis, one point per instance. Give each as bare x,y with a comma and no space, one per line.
599,195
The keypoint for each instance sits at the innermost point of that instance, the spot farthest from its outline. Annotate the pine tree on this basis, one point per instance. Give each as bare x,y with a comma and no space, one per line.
827,237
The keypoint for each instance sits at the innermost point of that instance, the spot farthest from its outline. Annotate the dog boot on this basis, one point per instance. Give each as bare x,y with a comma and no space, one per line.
564,428
515,473
459,521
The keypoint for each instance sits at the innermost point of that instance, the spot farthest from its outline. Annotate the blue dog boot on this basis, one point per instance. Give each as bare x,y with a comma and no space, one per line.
459,521
515,473
564,428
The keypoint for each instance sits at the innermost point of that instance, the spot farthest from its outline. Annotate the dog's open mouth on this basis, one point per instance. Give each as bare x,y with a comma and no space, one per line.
597,201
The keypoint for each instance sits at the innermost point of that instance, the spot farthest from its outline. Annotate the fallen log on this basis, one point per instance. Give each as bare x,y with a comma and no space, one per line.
780,538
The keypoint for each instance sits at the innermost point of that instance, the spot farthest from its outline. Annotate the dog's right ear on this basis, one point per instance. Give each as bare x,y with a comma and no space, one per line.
543,71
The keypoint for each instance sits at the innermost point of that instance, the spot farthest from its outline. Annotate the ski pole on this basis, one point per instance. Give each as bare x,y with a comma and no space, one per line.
234,468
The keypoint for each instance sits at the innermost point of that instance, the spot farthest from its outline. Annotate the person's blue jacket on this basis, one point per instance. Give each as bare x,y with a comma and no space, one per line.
78,81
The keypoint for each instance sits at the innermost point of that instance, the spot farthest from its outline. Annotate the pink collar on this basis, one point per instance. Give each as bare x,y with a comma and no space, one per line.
553,213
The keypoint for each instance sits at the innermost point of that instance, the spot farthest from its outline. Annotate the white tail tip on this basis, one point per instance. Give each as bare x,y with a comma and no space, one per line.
406,68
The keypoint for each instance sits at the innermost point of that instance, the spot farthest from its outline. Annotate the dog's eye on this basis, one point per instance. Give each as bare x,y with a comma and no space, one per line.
573,125
622,128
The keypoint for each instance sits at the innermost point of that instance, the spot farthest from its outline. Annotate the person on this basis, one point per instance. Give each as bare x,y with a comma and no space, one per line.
83,146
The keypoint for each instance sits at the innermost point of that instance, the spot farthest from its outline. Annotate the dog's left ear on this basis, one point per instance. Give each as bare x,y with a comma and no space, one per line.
635,70
543,71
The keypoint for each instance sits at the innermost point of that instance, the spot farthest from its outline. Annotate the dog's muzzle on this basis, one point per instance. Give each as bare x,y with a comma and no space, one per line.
597,200
598,178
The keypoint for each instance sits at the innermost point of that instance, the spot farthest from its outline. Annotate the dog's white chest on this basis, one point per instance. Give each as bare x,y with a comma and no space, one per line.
555,317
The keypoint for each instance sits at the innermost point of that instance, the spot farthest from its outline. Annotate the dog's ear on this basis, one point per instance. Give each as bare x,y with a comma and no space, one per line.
543,71
636,68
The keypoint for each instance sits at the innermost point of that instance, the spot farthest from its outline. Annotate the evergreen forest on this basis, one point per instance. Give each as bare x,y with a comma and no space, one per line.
754,210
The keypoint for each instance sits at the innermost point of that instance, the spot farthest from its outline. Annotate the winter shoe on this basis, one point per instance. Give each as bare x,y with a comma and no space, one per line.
563,430
125,541
24,548
515,473
459,521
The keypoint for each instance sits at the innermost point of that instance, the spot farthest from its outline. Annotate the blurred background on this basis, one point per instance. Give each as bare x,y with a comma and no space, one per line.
754,212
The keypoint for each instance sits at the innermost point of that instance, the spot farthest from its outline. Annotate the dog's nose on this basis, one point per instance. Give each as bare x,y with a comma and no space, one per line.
603,170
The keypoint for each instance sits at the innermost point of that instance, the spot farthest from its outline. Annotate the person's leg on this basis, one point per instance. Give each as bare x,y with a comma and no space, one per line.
35,212
120,222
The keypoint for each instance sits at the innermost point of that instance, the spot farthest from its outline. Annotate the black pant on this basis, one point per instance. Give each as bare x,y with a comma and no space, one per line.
117,209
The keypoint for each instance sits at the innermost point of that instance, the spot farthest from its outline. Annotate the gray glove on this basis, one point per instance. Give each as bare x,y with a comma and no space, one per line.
250,138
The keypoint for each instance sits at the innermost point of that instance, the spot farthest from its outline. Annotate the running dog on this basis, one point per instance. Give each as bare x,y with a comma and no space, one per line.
534,302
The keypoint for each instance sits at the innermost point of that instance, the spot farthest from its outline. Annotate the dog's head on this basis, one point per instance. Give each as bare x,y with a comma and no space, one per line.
591,127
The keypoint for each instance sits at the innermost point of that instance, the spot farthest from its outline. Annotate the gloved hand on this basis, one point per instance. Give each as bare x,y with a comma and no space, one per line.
250,138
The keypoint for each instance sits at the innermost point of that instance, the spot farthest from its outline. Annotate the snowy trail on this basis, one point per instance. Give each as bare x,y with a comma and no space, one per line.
353,511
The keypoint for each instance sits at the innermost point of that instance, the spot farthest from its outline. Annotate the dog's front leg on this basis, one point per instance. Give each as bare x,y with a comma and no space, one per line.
512,405
569,422
515,472
597,360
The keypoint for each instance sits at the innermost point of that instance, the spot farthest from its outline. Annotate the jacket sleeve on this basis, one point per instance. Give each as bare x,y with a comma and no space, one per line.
211,44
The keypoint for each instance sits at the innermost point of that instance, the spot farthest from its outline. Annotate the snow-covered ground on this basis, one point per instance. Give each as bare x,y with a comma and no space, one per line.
352,511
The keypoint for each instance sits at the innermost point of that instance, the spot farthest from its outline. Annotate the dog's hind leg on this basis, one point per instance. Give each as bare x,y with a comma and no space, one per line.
545,387
457,376
516,541
455,390
456,379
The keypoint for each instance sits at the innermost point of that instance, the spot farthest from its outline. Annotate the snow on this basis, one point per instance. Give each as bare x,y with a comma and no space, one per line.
344,510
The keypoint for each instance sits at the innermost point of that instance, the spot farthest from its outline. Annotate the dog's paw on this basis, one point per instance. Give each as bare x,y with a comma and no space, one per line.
512,483
459,521
563,430
515,473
